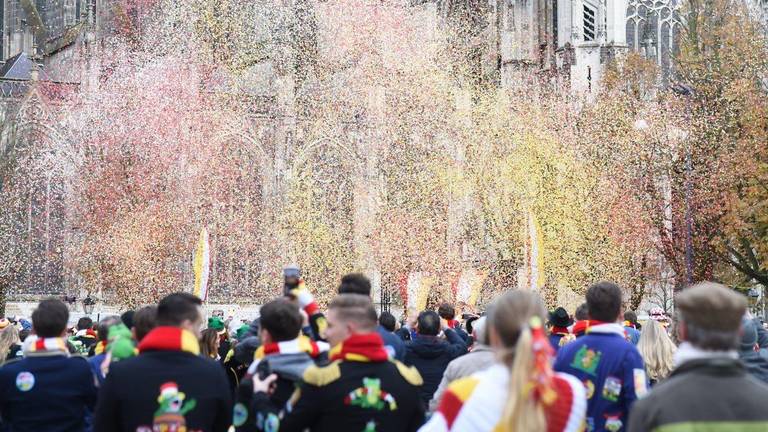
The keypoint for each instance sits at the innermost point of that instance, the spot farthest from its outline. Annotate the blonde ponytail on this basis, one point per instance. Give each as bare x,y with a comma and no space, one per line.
522,412
517,324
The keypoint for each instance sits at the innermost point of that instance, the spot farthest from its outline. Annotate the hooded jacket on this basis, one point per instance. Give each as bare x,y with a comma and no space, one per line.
430,355
704,394
168,386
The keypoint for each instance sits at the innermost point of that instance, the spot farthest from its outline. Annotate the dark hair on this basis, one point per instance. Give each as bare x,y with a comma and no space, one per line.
144,320
446,311
631,317
176,308
23,334
355,283
127,318
429,323
84,323
388,321
105,324
582,312
356,308
281,319
208,339
604,301
50,318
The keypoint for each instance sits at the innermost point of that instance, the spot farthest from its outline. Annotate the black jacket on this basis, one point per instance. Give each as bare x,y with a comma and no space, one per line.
350,396
705,394
430,356
289,369
164,388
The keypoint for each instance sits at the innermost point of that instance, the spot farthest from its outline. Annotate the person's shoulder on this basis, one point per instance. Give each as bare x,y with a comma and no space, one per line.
463,388
78,360
409,373
320,376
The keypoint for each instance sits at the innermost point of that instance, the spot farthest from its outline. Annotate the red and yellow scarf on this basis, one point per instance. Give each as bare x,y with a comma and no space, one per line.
367,347
581,327
559,331
35,346
170,339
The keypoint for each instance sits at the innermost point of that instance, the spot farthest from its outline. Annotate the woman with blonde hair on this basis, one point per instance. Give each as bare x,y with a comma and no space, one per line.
521,392
10,343
657,350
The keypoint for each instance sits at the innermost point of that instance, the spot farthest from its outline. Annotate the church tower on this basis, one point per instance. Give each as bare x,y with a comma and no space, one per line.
590,33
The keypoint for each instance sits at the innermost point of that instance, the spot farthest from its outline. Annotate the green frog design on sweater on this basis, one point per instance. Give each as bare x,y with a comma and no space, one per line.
169,416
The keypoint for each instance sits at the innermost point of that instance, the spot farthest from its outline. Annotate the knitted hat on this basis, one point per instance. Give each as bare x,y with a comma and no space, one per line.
560,318
217,324
242,331
4,323
657,314
711,306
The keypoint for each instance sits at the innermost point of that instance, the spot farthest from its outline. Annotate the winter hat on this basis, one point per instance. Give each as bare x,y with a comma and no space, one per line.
120,342
242,331
711,306
560,318
217,324
749,337
4,323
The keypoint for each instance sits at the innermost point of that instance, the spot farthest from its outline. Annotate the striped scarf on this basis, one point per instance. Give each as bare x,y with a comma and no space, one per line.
302,344
367,347
170,339
39,347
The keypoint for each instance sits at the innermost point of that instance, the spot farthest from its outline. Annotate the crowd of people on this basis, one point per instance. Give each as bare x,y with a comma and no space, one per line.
295,367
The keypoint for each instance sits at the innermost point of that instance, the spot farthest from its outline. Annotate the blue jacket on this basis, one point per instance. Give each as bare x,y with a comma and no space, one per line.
46,393
612,371
430,355
95,364
393,344
633,334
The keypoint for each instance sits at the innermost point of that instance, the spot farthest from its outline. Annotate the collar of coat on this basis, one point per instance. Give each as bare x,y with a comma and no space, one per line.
365,347
687,352
607,328
170,339
717,366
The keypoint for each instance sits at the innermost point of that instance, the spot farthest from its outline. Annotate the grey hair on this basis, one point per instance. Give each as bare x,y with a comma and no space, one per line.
711,340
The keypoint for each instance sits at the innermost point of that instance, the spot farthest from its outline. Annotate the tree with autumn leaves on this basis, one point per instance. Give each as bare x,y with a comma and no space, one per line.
690,156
